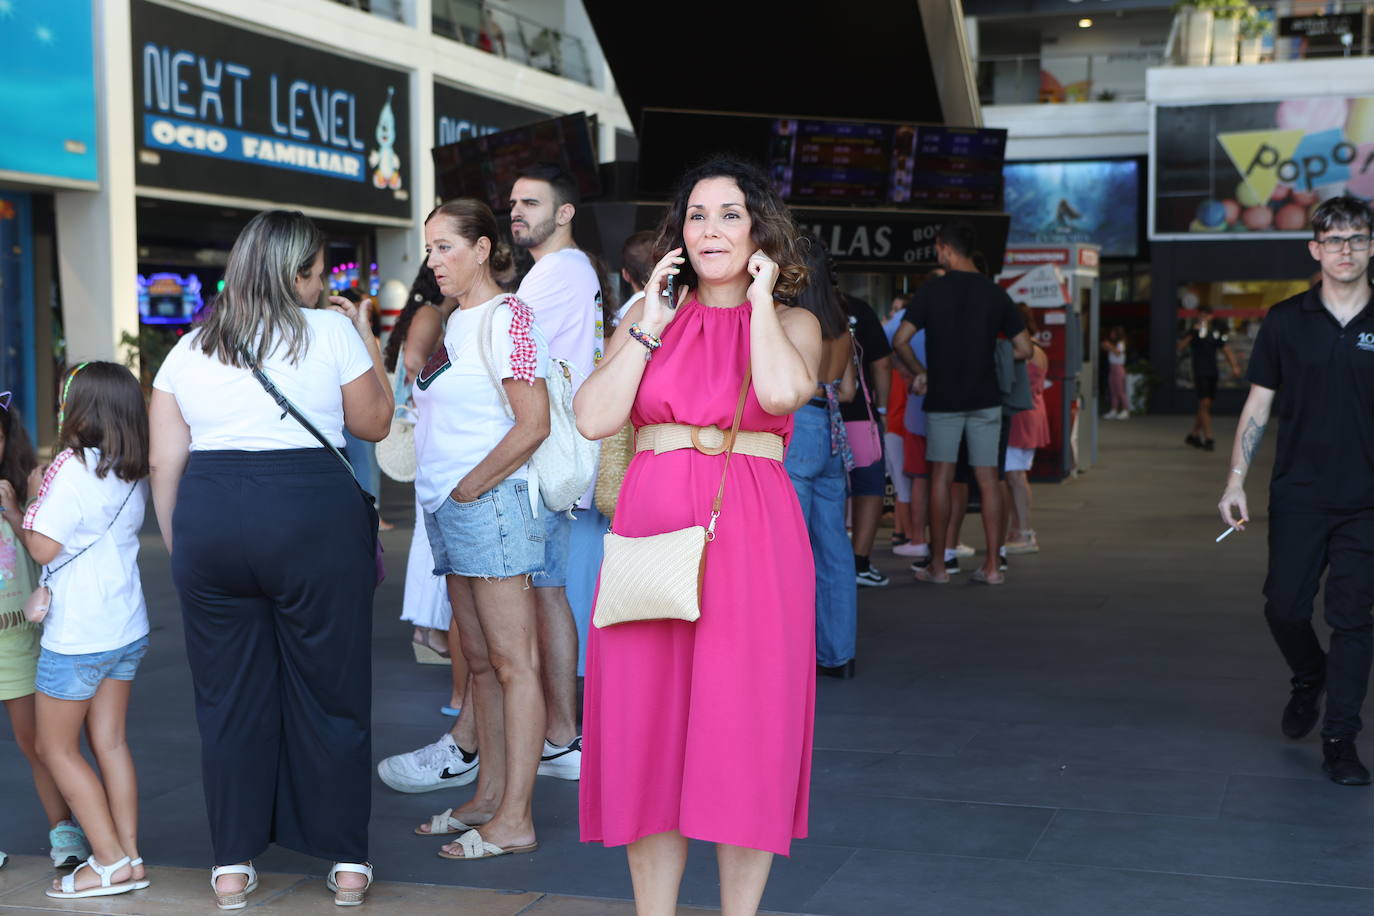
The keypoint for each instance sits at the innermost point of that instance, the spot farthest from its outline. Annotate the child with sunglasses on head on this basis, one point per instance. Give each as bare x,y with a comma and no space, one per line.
19,638
83,527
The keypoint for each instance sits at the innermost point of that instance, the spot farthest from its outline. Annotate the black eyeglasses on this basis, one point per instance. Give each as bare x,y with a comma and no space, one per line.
1335,243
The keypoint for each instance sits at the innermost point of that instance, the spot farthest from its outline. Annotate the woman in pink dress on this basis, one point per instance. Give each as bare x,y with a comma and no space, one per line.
703,730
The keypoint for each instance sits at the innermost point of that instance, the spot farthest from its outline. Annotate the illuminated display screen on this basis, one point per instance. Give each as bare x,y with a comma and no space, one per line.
168,298
821,161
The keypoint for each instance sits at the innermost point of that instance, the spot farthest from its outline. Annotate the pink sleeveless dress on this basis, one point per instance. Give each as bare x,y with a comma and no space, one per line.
706,727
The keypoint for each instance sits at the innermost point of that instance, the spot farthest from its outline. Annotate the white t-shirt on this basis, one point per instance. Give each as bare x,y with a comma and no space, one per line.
226,408
625,309
566,297
97,598
462,417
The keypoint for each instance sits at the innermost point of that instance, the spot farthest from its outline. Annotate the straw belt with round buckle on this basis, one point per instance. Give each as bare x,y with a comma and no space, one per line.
709,440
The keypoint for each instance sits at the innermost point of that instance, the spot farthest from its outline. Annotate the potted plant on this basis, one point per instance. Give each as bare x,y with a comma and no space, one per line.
1141,381
1193,21
1226,19
1253,29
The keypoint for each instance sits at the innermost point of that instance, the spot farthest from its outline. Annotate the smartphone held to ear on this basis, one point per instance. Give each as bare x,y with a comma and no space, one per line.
668,293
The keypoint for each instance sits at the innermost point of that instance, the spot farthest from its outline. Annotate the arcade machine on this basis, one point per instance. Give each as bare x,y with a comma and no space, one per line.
1060,283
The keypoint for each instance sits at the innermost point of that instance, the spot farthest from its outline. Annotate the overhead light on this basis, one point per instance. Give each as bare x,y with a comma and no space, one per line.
1085,23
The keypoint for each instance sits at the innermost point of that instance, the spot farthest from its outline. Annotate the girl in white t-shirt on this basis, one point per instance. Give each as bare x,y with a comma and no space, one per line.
83,527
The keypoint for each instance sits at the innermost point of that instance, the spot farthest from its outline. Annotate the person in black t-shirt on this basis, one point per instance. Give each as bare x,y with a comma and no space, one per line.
1315,351
1205,340
963,313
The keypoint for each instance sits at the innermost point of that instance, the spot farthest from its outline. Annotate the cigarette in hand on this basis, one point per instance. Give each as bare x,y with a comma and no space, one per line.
1229,531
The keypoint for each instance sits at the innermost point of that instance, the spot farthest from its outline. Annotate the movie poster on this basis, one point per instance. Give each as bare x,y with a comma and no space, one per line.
1259,167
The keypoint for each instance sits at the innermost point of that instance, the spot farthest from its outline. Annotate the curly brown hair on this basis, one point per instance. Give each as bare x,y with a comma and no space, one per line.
773,228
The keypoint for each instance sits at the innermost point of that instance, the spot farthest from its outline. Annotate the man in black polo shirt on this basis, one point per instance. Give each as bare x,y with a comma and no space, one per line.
963,313
1315,352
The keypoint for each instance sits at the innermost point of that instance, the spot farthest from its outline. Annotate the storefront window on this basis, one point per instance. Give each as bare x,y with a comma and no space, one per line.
1236,309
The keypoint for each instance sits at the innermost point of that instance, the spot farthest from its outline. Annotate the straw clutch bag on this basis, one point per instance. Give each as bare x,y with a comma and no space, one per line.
660,577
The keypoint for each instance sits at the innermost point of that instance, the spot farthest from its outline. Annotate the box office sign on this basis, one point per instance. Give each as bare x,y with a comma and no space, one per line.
236,113
1223,171
898,239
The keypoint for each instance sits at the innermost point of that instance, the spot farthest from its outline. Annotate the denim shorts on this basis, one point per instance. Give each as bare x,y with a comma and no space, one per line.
557,542
496,536
77,677
869,480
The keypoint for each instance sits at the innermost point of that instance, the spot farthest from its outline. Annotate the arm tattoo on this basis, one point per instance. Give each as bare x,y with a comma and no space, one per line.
1250,439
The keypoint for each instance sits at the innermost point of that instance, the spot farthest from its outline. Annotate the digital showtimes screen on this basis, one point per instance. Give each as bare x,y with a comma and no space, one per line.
824,161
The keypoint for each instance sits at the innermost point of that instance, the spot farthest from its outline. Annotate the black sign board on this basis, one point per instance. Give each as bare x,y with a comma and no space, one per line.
899,239
461,115
233,112
1323,30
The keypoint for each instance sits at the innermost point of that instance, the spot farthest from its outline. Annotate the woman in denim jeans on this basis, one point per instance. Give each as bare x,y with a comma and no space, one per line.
487,539
818,461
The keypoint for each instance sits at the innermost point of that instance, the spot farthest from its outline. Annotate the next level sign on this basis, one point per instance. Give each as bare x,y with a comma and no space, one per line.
232,112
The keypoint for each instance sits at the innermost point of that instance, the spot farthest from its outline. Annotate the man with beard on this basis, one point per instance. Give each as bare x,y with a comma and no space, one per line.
563,290
1317,349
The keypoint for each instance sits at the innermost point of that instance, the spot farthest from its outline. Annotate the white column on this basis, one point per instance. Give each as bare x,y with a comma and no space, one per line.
97,240
401,251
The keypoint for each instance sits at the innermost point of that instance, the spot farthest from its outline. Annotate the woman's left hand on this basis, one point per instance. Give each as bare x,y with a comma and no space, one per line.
764,270
360,314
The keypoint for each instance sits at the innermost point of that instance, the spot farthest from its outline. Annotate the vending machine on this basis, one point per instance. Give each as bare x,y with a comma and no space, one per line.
1060,283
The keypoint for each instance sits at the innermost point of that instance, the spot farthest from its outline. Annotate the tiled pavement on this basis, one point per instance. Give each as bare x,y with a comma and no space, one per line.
1098,737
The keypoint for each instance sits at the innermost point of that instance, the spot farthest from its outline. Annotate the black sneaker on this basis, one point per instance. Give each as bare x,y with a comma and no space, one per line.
1002,561
871,578
1209,445
1342,764
1303,709
1194,441
951,565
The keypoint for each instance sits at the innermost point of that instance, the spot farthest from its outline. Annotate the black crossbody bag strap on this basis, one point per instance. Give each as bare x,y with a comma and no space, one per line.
289,409
49,573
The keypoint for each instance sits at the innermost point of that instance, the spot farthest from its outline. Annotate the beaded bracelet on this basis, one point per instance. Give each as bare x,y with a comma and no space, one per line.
650,342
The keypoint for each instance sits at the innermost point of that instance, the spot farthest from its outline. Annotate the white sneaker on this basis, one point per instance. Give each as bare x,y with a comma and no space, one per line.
440,765
964,550
69,846
911,550
562,762
1111,415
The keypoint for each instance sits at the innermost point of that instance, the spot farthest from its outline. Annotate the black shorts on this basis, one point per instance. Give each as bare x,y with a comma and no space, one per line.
1206,386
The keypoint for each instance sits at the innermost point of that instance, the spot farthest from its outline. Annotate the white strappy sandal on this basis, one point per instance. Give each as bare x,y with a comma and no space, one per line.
140,883
106,889
238,899
349,896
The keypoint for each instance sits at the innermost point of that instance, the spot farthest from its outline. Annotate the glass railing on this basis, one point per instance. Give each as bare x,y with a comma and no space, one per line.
387,9
1028,79
507,34
1296,30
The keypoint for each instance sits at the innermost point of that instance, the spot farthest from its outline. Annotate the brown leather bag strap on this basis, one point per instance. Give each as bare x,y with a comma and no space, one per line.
729,450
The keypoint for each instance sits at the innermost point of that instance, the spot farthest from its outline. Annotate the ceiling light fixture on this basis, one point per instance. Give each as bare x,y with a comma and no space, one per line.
1085,23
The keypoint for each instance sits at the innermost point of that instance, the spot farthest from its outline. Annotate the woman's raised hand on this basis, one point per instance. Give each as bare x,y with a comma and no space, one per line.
764,270
360,314
658,311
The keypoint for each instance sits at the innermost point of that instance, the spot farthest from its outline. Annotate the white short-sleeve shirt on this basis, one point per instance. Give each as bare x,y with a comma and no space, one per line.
97,598
226,408
462,417
565,294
